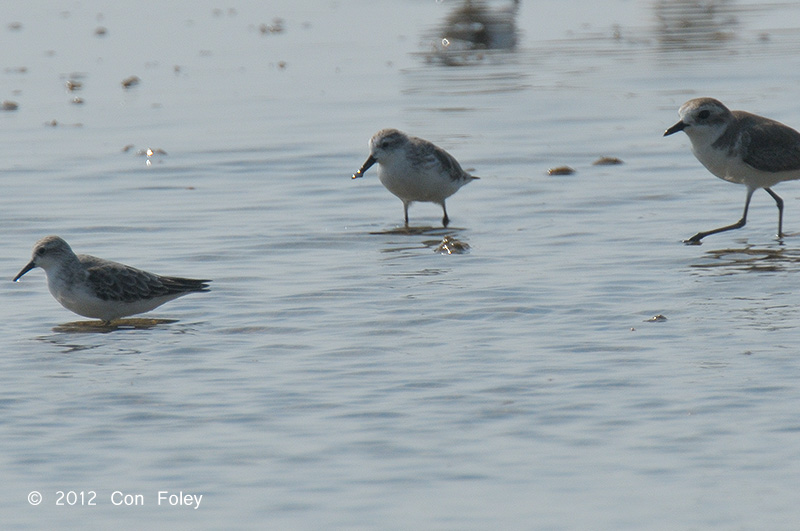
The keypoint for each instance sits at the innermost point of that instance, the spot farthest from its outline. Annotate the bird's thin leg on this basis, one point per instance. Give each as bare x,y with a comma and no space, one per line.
738,225
779,202
445,219
405,211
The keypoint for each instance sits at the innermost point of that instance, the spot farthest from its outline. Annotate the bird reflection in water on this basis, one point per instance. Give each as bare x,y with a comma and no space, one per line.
472,29
694,25
750,259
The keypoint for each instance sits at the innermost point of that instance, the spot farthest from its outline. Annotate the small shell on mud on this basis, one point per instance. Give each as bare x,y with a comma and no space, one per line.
149,152
607,161
561,170
276,27
450,245
130,81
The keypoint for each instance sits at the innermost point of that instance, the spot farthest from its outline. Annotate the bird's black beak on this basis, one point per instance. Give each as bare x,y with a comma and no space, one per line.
364,167
680,126
25,269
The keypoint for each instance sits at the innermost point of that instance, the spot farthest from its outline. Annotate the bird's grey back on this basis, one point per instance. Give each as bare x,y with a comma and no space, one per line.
765,144
112,281
428,153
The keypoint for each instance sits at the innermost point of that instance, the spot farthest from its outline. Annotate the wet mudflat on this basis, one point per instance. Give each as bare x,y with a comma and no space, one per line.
508,371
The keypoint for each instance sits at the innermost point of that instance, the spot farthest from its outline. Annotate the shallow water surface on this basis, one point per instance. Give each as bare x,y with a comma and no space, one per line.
345,372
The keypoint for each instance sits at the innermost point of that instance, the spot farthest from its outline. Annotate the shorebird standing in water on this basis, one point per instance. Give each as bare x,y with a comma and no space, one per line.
101,289
740,147
414,169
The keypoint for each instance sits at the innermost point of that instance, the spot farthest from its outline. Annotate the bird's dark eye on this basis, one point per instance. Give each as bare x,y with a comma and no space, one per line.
40,251
704,114
389,141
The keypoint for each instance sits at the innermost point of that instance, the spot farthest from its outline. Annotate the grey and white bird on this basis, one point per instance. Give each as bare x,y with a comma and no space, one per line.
742,148
414,169
102,289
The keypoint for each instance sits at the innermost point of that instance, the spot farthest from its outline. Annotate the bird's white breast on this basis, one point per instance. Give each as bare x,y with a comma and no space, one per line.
729,165
719,161
416,182
78,298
